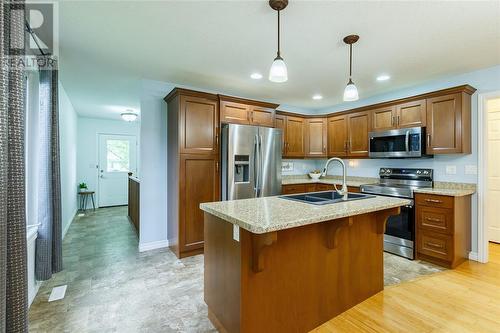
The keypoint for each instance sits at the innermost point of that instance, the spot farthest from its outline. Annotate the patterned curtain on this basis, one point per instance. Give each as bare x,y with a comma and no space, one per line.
49,240
13,271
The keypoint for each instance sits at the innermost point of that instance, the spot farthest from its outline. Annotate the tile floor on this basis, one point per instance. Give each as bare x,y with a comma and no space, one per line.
114,288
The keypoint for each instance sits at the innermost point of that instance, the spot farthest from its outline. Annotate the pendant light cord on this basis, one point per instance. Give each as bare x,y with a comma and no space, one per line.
279,51
350,61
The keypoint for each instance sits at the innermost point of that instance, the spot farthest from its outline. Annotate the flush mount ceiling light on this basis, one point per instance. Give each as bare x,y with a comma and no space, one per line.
278,72
350,92
383,77
256,76
317,97
129,116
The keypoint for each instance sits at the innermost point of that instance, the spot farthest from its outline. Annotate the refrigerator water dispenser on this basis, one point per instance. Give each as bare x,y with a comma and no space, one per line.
241,168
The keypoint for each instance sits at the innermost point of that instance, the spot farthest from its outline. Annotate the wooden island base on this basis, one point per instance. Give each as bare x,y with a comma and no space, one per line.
291,280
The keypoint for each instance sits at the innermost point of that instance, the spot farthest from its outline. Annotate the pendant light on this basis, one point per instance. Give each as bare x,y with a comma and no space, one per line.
278,72
350,92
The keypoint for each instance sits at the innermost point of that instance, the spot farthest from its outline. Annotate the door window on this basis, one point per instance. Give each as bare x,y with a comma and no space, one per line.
117,155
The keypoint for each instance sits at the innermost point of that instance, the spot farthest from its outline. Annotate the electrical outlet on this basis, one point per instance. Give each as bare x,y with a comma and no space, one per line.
451,169
286,166
471,169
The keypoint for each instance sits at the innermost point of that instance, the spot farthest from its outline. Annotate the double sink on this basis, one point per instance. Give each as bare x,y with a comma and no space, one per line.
324,198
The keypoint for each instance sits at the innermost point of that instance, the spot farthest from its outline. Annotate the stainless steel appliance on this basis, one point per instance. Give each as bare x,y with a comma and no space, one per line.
399,236
398,143
251,161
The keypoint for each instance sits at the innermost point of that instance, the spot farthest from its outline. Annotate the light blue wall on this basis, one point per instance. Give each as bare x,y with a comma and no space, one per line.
68,120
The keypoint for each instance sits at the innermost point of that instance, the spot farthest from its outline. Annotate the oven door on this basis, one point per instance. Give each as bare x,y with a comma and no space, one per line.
399,235
399,143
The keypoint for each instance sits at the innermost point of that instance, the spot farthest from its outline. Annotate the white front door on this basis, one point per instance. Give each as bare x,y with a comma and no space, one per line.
117,157
492,197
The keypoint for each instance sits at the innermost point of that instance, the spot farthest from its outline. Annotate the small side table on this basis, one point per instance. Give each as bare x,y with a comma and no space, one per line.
84,196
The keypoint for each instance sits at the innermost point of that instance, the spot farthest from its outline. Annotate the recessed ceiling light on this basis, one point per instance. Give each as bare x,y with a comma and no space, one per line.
317,97
256,76
383,77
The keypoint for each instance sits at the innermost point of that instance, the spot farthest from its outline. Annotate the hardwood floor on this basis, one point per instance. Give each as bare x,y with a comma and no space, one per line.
466,299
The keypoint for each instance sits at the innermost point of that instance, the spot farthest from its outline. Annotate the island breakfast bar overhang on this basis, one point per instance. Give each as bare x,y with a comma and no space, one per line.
273,265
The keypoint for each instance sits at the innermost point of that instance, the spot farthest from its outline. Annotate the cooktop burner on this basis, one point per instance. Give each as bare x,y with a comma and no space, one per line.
397,182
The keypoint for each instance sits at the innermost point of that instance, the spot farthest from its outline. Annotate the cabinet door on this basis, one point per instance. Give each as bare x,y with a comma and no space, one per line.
337,136
280,122
316,137
234,113
260,116
411,114
358,125
293,189
294,145
384,118
199,125
199,182
444,131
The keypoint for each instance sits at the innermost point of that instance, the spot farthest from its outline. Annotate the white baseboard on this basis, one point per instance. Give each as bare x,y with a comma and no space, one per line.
32,293
153,245
69,223
473,256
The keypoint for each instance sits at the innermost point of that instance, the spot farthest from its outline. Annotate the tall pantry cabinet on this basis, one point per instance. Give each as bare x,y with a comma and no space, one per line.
193,166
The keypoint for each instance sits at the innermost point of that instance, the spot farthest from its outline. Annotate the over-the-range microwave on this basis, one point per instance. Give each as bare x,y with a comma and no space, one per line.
398,143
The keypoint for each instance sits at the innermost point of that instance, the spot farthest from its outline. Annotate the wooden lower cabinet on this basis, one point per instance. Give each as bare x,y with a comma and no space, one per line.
443,226
199,182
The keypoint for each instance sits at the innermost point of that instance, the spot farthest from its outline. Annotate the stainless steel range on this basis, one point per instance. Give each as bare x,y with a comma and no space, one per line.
399,236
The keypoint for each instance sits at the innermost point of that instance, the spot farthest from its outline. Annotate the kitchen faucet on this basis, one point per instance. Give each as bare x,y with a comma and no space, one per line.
343,190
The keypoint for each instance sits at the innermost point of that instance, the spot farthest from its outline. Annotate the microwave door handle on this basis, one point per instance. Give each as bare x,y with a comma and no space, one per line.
407,141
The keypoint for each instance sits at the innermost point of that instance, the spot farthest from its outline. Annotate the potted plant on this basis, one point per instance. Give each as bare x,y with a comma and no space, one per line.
83,187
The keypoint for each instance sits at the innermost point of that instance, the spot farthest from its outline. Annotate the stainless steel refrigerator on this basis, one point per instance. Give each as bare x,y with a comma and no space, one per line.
251,161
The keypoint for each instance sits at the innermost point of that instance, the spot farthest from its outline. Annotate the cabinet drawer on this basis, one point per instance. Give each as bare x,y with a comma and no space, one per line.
353,189
430,200
435,245
324,187
291,189
435,219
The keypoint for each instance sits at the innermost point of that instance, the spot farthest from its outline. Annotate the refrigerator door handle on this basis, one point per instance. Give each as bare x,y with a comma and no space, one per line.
261,168
255,165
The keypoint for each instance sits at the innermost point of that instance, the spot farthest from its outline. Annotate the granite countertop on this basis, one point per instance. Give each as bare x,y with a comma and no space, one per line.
440,188
261,215
449,189
330,180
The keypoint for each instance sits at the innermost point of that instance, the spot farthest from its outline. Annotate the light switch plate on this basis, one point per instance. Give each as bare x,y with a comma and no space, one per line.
286,166
471,169
236,232
451,169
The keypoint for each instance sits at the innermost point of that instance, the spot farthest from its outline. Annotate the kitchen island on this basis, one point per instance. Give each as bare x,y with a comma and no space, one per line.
276,265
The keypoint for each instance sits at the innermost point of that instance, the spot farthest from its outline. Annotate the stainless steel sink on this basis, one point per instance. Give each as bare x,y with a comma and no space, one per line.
324,198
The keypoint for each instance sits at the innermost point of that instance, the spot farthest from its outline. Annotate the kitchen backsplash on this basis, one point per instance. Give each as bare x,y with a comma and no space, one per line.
451,168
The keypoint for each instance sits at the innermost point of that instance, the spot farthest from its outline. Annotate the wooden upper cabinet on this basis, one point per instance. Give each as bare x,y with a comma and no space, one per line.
280,122
448,124
234,113
411,114
316,137
295,135
235,110
198,125
384,118
261,116
337,136
358,126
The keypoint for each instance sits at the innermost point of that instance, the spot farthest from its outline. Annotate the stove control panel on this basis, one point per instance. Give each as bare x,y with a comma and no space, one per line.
406,173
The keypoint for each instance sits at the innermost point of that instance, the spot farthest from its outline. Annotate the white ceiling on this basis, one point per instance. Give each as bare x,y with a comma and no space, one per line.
106,47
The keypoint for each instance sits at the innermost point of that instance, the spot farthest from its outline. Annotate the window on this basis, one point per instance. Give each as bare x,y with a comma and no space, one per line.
117,155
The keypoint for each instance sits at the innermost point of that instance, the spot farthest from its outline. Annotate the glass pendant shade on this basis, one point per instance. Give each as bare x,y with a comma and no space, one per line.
350,92
278,71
